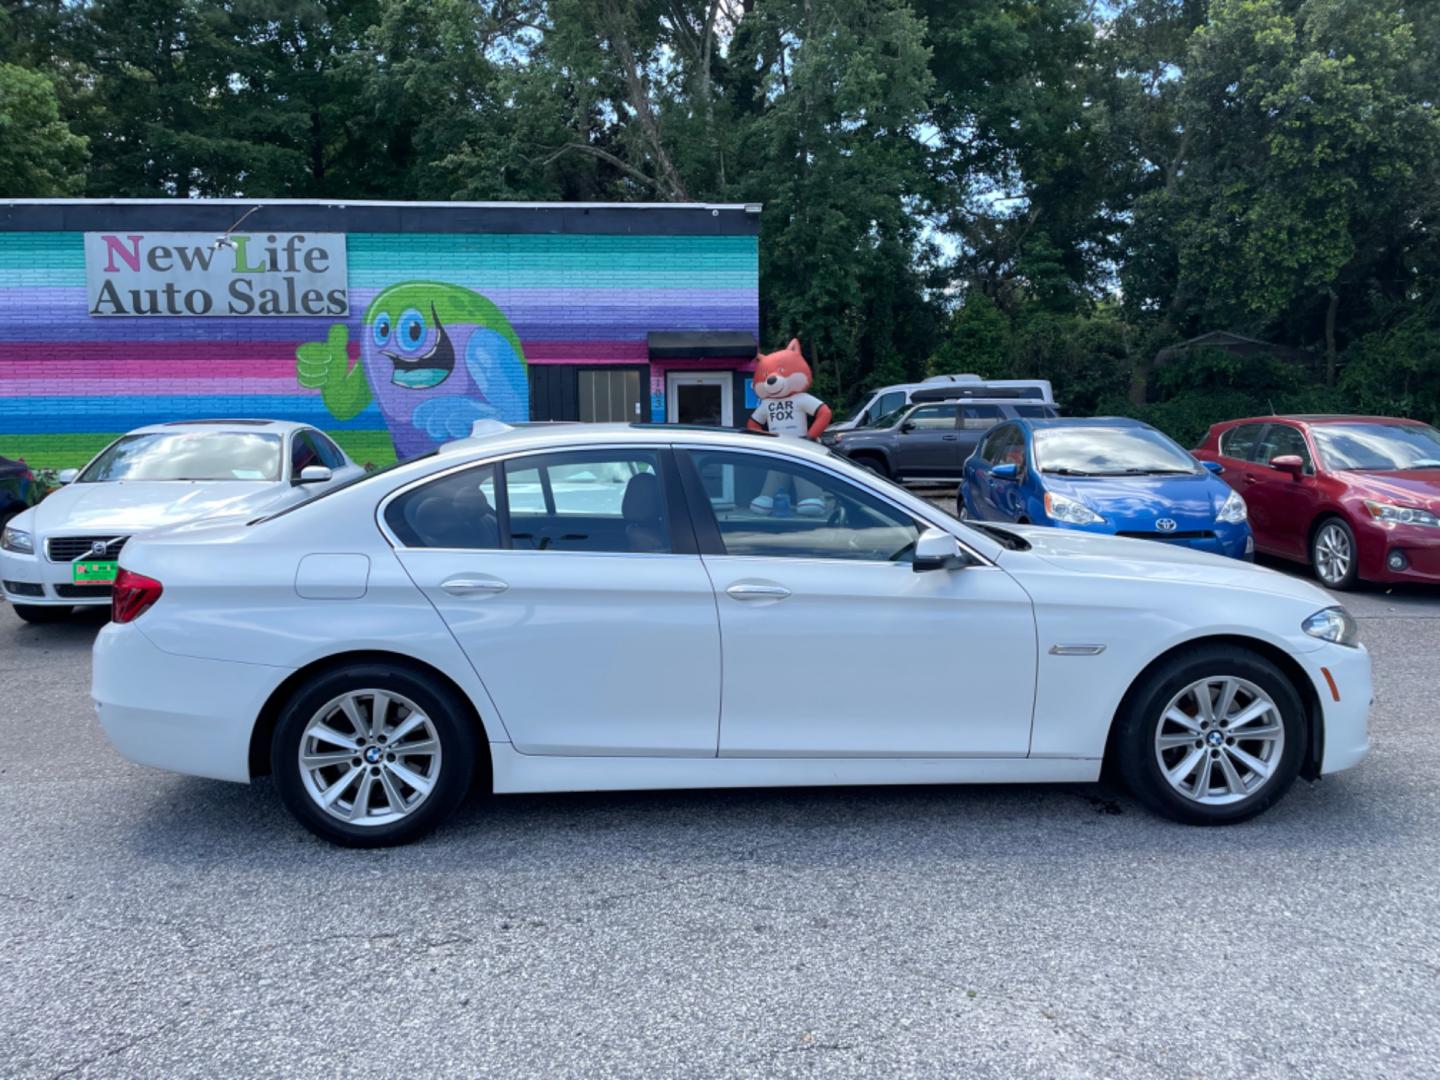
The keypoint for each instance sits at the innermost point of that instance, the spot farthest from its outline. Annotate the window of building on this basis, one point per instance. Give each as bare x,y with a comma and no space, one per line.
782,509
610,395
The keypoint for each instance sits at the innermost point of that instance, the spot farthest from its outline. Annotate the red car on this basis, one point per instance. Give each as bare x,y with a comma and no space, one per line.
1353,496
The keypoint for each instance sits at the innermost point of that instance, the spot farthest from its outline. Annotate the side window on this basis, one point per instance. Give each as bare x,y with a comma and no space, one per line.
979,417
1034,412
770,507
588,500
302,453
455,511
1280,440
1239,442
931,418
888,403
330,455
996,443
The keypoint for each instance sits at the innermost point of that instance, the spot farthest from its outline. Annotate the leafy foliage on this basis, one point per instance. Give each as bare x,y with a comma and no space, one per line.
1053,188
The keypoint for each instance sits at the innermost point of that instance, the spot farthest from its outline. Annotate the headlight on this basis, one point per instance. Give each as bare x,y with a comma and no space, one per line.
1233,511
13,539
1401,515
1071,511
1333,624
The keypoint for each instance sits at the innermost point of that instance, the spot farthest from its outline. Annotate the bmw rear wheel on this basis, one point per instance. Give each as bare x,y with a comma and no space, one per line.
1333,555
373,755
1212,737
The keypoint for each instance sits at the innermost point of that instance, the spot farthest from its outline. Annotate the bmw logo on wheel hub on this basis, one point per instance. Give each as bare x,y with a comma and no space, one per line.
373,754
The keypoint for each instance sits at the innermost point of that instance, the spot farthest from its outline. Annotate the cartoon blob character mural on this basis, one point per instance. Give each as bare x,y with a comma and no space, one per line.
436,357
787,408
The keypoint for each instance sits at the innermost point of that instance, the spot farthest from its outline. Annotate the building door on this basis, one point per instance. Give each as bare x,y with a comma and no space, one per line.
700,397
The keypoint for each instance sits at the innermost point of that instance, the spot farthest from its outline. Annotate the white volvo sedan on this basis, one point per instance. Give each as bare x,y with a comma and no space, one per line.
586,607
63,552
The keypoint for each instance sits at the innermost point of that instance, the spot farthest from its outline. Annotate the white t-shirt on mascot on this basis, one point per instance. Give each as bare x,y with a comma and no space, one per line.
788,417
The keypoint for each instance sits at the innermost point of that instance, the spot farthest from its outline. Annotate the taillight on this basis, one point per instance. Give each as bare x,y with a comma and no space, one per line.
132,596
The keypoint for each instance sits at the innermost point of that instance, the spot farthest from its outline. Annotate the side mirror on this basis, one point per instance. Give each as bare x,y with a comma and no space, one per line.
1288,463
67,476
1214,466
936,549
1008,471
314,474
907,427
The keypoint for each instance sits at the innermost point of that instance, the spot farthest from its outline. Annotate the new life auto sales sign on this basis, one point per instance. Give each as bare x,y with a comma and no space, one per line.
191,273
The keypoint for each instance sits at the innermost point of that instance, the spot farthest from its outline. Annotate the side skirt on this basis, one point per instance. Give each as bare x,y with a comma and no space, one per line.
515,773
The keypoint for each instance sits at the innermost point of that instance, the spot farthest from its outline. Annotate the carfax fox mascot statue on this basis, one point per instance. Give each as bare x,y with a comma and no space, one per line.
788,409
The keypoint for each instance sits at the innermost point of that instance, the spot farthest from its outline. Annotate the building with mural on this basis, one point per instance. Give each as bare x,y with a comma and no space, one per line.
393,326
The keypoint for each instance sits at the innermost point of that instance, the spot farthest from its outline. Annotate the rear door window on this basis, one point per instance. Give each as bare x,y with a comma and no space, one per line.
588,500
1240,442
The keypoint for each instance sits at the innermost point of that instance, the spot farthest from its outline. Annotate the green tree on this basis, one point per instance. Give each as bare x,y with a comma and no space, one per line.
39,154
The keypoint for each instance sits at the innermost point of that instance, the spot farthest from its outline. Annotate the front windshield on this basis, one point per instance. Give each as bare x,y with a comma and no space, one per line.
892,418
1109,451
1378,447
188,455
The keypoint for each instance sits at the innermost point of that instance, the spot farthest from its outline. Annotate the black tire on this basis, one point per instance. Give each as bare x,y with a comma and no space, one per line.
1344,535
1132,748
41,614
874,462
460,745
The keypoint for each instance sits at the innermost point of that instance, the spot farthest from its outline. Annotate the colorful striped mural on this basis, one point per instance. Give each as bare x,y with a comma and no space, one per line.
69,382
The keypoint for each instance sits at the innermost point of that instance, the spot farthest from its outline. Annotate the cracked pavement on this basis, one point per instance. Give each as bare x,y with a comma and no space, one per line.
156,925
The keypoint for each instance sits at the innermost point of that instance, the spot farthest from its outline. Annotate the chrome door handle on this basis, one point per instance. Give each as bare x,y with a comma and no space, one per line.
758,592
474,586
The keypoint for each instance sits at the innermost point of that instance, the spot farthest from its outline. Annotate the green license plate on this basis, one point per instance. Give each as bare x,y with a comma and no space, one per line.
94,573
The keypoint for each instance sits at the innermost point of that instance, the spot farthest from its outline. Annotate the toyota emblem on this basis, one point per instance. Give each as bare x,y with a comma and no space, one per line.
98,548
1165,524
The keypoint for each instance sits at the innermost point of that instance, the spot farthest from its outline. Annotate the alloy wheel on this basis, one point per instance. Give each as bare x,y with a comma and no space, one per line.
369,757
1333,554
1219,740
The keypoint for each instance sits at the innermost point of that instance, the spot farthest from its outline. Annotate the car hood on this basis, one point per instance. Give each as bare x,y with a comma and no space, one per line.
1413,488
1116,556
1190,501
133,506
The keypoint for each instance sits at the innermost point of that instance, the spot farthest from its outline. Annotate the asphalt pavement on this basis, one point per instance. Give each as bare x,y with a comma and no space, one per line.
155,925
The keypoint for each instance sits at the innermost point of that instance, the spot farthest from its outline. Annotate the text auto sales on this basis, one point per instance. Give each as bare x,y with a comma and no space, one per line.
180,274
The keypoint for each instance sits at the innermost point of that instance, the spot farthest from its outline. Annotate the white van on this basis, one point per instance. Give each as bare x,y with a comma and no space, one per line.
889,398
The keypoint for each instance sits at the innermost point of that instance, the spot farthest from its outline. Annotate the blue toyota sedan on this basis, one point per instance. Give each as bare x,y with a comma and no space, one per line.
1108,475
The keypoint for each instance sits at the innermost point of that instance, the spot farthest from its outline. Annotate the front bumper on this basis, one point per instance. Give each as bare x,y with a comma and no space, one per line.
1417,545
1234,541
35,580
1346,707
179,713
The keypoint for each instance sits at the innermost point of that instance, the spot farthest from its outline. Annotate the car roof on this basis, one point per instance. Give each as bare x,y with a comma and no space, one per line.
1038,422
1322,418
493,436
275,427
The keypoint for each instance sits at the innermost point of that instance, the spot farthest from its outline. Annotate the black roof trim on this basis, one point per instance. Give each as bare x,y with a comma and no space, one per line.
206,215
701,344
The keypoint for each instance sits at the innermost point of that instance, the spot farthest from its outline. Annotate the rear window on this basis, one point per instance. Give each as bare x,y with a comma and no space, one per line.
1239,442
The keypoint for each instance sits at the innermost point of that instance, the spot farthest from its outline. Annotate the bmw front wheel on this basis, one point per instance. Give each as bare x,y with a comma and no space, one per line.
1212,737
373,755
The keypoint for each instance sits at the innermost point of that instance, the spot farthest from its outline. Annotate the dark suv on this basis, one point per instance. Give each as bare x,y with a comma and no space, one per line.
18,489
929,440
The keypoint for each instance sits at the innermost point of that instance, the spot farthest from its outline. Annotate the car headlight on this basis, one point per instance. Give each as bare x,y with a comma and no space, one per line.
1401,515
1071,511
1233,511
17,540
1333,624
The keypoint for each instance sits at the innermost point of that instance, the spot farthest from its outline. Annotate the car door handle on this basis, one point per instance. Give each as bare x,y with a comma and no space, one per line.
949,438
474,586
758,592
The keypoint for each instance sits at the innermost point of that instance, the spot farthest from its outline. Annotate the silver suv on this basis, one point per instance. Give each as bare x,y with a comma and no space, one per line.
929,441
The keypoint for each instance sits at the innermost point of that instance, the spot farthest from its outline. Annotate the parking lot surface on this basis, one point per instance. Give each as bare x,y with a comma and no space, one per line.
163,926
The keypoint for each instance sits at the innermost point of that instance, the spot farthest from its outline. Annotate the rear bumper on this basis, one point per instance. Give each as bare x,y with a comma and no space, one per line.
179,713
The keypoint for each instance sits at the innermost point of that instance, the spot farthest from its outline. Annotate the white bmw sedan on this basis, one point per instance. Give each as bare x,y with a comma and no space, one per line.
62,552
585,607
